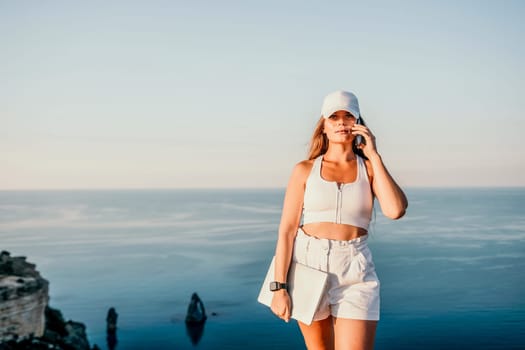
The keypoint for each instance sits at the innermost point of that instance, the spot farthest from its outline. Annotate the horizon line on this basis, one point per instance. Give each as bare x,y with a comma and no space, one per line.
244,188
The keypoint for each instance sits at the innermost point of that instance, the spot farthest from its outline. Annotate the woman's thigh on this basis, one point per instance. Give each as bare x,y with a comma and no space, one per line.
352,334
319,335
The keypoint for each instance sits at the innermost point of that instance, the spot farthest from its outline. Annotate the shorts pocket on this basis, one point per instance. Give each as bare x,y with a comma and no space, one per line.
370,267
358,269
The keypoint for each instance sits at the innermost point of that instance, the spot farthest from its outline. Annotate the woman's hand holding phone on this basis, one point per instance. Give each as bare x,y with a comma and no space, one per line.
364,139
358,139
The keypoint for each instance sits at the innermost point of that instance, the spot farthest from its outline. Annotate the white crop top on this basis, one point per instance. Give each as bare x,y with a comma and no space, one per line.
347,203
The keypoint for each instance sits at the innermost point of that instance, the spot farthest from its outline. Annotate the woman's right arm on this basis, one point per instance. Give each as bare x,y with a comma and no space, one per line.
290,219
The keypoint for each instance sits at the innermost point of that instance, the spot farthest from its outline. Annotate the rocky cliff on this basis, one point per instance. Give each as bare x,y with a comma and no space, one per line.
26,320
23,299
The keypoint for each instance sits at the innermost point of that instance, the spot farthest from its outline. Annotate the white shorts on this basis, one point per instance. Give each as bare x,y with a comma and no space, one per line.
352,290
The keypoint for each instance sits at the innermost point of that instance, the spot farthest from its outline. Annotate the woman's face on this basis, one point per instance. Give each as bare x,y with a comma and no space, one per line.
338,127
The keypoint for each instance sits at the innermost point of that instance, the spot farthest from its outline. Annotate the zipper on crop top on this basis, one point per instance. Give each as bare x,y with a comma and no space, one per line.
339,203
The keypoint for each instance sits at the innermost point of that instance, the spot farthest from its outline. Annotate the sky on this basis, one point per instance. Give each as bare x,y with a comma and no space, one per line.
224,94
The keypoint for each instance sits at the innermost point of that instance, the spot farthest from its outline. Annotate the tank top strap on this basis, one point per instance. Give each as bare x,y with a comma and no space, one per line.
316,168
363,173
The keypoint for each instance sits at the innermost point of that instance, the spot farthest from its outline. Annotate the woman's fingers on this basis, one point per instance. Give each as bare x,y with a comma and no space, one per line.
361,130
283,312
286,316
370,145
281,306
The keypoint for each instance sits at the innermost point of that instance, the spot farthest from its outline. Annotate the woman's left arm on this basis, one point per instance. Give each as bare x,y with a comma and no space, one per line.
391,197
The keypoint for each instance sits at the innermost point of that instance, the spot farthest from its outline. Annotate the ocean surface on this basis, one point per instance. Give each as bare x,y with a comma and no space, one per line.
452,270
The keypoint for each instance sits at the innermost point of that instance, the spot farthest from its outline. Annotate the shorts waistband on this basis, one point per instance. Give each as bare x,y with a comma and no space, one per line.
333,243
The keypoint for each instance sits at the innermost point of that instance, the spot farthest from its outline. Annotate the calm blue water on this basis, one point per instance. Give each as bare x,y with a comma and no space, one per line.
452,270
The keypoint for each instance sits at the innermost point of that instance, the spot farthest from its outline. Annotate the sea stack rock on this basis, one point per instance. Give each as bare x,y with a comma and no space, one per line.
23,299
111,329
111,321
196,313
195,319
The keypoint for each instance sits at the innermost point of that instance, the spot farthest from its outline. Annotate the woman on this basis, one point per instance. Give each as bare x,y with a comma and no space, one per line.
334,191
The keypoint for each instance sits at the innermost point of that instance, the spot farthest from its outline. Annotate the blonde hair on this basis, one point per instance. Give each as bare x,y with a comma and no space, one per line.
318,142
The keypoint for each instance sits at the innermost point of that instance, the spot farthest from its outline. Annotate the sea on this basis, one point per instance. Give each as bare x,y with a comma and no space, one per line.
452,270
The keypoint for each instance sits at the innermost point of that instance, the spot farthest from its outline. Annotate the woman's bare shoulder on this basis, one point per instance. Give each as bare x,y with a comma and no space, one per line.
305,165
302,169
300,172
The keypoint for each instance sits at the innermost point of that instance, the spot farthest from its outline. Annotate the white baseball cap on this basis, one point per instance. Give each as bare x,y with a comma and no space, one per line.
340,100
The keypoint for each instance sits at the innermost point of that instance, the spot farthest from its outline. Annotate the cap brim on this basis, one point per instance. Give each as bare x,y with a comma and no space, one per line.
342,108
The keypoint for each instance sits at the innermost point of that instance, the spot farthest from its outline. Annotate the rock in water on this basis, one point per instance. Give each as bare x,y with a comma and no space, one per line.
196,312
111,320
195,319
111,329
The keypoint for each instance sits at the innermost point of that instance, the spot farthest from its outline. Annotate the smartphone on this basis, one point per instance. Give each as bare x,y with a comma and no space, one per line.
358,138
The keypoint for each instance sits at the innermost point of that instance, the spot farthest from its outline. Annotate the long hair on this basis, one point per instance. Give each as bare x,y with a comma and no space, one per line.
319,142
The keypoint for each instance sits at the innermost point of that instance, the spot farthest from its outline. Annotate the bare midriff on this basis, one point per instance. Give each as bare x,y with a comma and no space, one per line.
330,230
